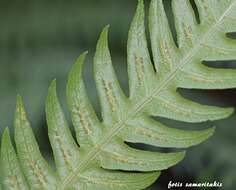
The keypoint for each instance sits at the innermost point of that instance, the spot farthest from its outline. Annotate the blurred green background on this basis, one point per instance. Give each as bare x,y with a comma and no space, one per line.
40,40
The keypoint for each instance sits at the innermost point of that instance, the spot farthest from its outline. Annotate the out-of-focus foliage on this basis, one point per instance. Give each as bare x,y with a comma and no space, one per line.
40,39
38,36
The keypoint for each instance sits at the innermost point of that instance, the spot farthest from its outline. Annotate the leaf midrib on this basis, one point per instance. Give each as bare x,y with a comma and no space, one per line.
92,154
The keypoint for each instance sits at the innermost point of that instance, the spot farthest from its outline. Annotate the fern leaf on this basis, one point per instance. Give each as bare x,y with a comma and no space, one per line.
12,175
103,160
38,173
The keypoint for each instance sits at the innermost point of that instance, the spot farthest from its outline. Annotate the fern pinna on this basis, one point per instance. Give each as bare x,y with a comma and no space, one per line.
103,160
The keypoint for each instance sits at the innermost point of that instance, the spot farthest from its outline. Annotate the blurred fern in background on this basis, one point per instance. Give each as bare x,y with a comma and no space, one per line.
40,39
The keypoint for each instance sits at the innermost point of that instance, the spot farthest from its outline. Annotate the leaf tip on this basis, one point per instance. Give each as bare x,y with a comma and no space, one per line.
75,77
223,113
79,62
5,135
85,53
53,87
107,27
6,141
152,177
54,83
52,95
19,101
140,6
20,110
104,33
203,135
137,23
210,132
140,1
181,155
102,49
229,111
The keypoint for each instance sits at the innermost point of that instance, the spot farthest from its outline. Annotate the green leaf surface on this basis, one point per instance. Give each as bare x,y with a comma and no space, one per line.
11,175
102,159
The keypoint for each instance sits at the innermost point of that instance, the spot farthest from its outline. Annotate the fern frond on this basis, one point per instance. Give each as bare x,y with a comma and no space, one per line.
103,160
